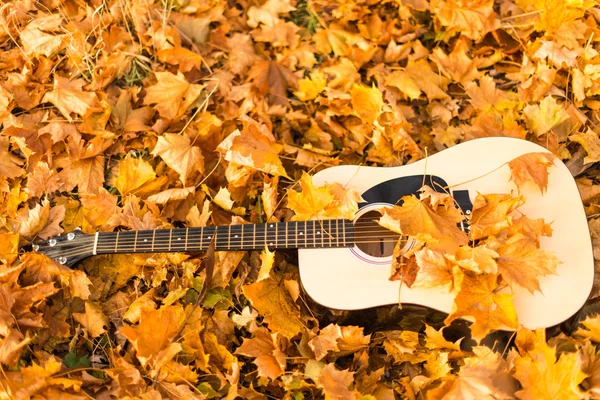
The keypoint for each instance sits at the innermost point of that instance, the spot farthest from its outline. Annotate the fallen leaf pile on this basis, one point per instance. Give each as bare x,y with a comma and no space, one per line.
144,114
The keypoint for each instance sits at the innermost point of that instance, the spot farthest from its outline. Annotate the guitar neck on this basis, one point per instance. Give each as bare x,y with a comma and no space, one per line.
281,235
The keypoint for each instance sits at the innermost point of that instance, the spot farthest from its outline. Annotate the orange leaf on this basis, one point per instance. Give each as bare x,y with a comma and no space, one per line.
179,154
480,298
531,167
490,214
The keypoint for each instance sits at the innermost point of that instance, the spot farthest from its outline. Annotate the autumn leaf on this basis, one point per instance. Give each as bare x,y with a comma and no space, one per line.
69,97
179,154
274,302
545,116
520,262
416,218
542,374
490,214
335,383
480,297
367,102
434,270
93,319
309,88
267,258
133,174
172,94
264,347
590,142
272,80
531,167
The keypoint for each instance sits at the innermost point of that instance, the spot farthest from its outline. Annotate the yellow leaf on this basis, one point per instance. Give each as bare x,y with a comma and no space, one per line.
309,203
172,94
531,167
403,82
520,262
473,19
133,174
36,42
93,319
480,298
267,257
480,259
42,221
457,65
223,199
490,214
542,376
416,77
264,347
309,88
268,13
269,198
416,218
171,194
592,331
9,163
435,340
335,383
545,116
271,299
180,155
367,102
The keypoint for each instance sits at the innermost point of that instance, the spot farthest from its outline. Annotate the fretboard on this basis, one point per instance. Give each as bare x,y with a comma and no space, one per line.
286,235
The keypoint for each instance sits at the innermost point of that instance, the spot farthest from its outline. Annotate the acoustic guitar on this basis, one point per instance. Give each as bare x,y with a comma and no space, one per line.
346,264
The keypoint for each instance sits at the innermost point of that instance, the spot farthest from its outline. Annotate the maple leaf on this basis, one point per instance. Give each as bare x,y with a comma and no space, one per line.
184,58
592,328
93,319
152,338
179,154
479,297
543,376
69,98
275,303
36,42
253,149
480,259
531,167
434,270
335,383
42,221
457,65
473,19
490,214
264,346
418,77
267,257
172,94
272,80
435,340
367,102
268,13
545,116
326,341
520,261
417,218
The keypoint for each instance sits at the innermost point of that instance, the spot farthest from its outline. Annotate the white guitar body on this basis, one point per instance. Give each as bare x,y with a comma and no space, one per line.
349,279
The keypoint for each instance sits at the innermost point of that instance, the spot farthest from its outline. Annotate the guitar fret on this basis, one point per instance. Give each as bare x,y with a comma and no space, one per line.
314,235
242,237
201,238
329,231
286,234
135,241
229,236
305,235
254,238
276,242
321,227
186,238
344,231
296,234
117,242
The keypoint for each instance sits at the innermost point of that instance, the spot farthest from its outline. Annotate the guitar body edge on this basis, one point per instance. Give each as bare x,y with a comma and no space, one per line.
343,279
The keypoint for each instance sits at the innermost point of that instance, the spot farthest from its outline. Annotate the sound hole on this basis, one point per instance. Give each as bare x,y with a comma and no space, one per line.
372,238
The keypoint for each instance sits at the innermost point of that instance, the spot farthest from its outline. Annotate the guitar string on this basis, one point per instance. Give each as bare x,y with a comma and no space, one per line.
68,254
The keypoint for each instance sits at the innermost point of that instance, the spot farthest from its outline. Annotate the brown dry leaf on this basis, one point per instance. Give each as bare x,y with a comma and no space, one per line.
179,154
418,77
172,94
545,116
273,80
93,319
479,297
42,221
531,167
10,165
270,298
404,268
326,341
417,218
473,19
521,262
592,328
490,214
591,143
184,58
480,259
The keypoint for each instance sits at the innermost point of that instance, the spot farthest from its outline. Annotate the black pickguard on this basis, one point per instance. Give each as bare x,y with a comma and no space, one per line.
393,190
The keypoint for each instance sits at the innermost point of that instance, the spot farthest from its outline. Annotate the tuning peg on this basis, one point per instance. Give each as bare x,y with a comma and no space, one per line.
78,228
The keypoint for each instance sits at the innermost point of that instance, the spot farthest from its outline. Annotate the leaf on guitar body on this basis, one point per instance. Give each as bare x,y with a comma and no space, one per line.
434,270
490,214
404,268
520,262
417,218
479,297
531,228
478,259
531,167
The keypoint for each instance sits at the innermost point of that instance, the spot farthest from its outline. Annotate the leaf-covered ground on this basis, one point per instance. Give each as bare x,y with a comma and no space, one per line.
130,115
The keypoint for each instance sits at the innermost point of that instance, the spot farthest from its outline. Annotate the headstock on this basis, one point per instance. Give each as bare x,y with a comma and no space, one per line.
67,249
